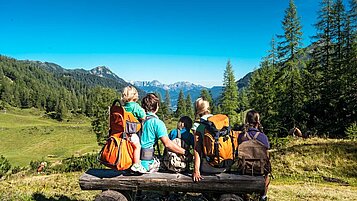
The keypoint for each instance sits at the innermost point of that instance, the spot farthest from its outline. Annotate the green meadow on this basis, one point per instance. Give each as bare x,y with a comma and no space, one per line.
311,169
28,135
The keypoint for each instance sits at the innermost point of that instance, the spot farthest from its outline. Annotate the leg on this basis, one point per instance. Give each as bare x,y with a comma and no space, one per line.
137,148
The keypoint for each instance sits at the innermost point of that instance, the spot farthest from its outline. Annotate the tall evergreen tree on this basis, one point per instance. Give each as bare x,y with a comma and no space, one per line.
229,101
290,88
323,45
243,104
262,90
205,94
272,57
339,19
99,99
291,40
189,106
353,15
181,105
168,101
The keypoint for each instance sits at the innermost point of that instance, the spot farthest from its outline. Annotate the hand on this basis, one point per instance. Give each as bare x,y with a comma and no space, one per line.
196,176
186,157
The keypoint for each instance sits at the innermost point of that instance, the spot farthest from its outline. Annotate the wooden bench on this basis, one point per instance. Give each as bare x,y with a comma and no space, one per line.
117,185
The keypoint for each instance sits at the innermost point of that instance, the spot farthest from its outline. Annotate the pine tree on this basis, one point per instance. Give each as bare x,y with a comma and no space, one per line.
229,101
262,90
353,15
205,94
98,101
2,80
168,102
181,105
243,104
351,63
272,57
339,19
291,40
323,45
61,110
189,106
327,58
290,87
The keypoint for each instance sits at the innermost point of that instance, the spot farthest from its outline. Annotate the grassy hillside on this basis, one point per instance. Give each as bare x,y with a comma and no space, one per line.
317,160
312,169
27,135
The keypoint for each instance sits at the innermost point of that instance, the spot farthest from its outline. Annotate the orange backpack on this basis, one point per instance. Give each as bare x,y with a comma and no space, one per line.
218,141
117,153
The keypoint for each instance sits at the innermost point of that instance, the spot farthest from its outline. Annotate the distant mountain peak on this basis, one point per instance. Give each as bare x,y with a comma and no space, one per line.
102,71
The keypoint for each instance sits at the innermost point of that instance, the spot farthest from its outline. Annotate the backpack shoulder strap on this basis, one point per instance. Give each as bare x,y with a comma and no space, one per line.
179,134
256,135
247,136
156,141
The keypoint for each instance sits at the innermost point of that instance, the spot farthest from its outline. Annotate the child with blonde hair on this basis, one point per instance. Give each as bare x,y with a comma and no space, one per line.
129,97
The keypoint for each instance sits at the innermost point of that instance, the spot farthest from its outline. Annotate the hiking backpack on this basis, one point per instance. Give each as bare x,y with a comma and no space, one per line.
253,156
218,141
117,153
173,161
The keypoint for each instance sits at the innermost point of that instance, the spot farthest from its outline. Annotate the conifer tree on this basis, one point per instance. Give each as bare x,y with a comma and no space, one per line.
229,101
2,76
189,106
262,90
243,104
272,57
291,40
205,94
61,110
353,15
339,19
168,102
289,81
181,105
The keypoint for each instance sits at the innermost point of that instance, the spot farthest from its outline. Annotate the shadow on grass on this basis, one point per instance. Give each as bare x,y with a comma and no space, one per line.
41,197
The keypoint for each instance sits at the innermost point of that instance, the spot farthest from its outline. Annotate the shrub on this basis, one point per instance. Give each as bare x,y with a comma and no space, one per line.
16,169
351,131
81,163
5,166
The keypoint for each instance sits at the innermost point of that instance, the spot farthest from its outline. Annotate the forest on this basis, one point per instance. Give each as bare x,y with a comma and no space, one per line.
313,88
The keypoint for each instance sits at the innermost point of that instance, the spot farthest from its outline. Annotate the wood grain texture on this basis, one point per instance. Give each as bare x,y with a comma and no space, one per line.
103,179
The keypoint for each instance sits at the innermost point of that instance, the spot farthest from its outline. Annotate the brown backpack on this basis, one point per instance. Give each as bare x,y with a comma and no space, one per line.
175,162
253,156
117,153
218,141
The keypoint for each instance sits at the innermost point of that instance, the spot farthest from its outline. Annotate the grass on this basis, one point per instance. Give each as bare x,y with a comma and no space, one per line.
310,191
44,187
314,159
27,135
300,168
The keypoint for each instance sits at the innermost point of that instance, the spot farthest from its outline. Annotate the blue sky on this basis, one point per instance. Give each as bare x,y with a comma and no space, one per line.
166,40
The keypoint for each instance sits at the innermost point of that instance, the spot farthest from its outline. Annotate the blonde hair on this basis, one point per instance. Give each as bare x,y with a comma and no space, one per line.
201,107
130,94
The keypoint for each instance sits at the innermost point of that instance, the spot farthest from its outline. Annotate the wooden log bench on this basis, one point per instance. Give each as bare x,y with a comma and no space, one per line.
117,185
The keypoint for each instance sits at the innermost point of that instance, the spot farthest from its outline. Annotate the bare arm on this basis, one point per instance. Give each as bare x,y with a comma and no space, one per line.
196,176
172,146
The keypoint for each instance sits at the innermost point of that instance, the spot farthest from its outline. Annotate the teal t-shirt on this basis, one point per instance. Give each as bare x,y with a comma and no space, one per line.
135,109
153,129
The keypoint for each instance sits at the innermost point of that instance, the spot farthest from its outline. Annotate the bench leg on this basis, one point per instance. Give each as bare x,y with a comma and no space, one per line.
230,197
110,195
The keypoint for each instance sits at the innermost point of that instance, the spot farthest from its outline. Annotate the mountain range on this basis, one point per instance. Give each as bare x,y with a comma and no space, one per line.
102,76
187,88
